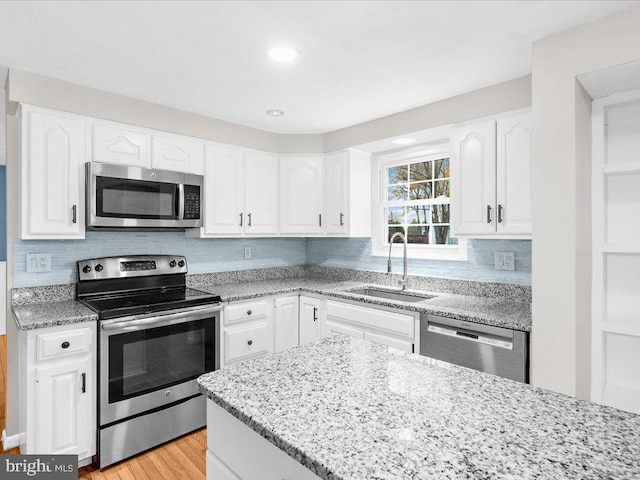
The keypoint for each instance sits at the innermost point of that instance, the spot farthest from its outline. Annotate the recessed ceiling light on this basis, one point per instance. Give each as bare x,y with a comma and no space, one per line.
403,141
283,54
275,113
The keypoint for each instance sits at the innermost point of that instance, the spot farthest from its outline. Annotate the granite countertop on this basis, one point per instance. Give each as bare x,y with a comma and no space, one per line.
349,409
488,311
51,314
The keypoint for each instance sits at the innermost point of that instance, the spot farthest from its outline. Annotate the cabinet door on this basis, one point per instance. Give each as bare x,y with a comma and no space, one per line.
261,193
119,145
309,319
336,195
473,179
63,408
377,337
52,175
514,193
301,195
333,327
223,191
286,323
181,154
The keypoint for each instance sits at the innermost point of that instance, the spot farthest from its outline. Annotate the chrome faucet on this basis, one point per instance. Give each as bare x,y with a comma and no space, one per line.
402,282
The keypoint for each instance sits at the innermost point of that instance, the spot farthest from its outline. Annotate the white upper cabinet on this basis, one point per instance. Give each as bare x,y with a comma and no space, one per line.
224,191
473,177
176,152
336,192
491,177
514,192
261,193
52,176
240,193
301,195
118,144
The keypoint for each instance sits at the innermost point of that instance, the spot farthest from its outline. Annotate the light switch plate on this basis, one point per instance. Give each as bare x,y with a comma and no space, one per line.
505,261
38,262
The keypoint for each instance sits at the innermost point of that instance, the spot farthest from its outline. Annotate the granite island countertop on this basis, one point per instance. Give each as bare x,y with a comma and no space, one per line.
348,409
488,311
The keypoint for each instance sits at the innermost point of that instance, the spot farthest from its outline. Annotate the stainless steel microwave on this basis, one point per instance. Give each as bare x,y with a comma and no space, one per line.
142,198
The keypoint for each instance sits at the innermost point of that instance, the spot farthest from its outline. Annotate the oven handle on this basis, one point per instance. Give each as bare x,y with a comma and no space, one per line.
186,316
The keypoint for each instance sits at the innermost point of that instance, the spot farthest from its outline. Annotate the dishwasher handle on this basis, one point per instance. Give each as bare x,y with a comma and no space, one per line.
477,337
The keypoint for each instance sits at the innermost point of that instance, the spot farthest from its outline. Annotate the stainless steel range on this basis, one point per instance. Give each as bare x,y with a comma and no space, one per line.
156,337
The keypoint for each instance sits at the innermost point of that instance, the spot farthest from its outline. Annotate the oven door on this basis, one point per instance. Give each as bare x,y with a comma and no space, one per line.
152,362
132,197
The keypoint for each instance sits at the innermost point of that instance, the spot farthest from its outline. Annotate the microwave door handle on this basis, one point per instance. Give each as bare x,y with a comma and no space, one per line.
181,201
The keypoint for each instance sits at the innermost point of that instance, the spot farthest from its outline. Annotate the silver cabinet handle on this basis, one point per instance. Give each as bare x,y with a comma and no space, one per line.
74,214
342,219
499,213
319,219
488,213
249,217
241,219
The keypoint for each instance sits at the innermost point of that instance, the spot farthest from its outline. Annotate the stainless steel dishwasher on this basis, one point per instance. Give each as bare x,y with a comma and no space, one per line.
499,351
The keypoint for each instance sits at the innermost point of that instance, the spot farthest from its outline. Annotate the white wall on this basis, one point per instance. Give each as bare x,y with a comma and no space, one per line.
561,208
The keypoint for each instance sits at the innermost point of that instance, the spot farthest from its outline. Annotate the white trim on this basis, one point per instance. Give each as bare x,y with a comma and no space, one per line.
379,248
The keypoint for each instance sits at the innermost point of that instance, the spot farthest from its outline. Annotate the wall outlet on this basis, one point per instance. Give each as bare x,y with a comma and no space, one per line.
38,262
247,252
505,261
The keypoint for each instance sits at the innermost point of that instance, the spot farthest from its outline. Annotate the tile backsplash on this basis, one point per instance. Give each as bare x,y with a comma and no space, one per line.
203,255
222,255
356,253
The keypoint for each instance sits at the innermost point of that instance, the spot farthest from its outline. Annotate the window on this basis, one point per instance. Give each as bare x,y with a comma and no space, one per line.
414,199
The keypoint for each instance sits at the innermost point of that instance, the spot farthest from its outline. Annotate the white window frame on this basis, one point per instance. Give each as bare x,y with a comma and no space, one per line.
379,242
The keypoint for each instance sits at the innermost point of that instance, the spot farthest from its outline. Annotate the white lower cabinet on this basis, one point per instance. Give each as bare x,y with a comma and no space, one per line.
397,330
310,329
286,323
236,452
60,390
247,330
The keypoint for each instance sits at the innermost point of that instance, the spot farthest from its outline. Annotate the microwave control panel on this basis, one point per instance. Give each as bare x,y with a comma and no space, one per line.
191,202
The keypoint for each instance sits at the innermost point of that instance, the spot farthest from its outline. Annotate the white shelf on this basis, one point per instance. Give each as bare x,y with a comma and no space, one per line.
621,168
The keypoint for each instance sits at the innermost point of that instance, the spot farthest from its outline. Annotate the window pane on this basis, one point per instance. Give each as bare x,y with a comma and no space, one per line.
397,174
395,215
421,191
421,171
441,235
392,230
441,168
418,214
440,214
418,234
442,188
397,193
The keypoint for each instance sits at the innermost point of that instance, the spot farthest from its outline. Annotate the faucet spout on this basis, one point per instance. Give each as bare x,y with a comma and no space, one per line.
400,235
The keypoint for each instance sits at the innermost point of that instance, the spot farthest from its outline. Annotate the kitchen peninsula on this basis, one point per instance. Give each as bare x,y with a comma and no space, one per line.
345,408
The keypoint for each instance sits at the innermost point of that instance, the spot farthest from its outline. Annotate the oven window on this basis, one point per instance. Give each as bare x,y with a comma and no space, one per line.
147,360
122,198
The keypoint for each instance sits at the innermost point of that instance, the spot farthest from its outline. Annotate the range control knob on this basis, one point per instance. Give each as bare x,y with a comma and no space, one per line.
99,268
181,263
86,269
172,263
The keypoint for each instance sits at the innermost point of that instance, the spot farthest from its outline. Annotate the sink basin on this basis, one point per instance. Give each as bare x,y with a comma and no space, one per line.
400,296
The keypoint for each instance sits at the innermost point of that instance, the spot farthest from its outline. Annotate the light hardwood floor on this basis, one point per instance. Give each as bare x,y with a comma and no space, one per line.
182,459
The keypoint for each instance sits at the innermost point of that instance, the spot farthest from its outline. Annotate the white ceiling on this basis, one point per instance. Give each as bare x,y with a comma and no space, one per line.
358,60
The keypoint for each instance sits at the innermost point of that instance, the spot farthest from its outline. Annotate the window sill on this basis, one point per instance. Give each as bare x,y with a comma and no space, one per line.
432,252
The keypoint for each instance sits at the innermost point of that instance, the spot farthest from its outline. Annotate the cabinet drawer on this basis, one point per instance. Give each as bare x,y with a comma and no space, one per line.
398,323
63,344
246,311
252,339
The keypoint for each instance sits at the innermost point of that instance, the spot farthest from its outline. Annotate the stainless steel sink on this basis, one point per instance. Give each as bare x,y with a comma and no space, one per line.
400,296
